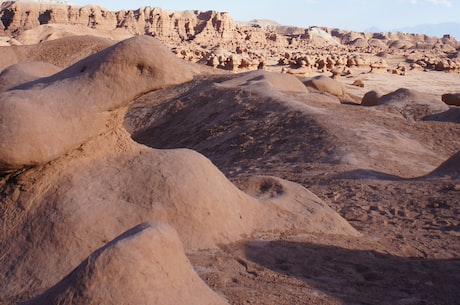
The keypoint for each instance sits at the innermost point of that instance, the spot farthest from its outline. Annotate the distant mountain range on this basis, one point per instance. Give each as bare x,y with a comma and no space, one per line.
438,30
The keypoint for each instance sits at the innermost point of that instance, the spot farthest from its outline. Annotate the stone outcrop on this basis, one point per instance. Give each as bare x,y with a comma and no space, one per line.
411,104
135,268
60,117
177,26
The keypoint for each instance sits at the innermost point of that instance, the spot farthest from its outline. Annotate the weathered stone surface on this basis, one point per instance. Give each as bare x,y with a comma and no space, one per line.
45,119
412,104
25,72
177,26
135,268
328,85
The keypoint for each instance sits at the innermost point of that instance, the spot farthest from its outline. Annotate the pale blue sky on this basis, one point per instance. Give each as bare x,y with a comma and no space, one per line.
345,14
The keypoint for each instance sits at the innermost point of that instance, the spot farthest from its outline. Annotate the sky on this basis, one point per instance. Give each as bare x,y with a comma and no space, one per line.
356,15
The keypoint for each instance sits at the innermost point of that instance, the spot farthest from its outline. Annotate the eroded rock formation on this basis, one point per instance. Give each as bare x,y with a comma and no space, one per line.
201,36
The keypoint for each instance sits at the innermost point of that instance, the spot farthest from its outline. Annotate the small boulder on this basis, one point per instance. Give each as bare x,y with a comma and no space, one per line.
371,98
452,99
358,83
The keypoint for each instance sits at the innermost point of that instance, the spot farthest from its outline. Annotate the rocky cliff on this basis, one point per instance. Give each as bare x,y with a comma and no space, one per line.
16,17
215,39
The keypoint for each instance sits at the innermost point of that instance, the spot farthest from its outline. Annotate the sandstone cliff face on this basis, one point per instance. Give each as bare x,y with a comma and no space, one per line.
21,16
213,38
202,27
17,17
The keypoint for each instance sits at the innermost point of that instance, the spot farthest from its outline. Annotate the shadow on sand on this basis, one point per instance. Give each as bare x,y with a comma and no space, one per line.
368,174
362,277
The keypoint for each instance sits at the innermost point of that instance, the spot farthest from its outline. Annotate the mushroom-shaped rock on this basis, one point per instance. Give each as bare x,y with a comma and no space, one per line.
379,66
145,265
45,119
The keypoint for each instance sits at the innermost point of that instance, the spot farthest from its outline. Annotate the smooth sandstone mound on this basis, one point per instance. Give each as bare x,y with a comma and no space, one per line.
330,86
231,119
79,202
74,105
244,130
263,80
326,84
448,169
137,267
21,73
85,197
451,115
412,104
320,217
62,52
49,32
